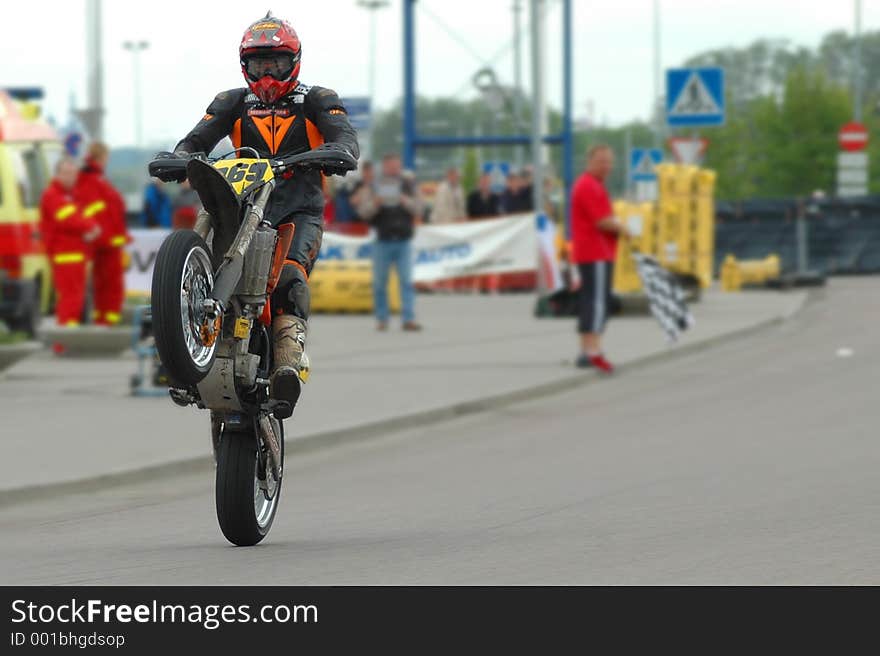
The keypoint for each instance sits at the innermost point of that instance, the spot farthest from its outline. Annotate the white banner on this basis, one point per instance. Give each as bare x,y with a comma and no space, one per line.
441,252
455,250
142,255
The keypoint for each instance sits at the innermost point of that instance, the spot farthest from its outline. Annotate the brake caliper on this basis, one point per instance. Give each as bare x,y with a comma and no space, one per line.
210,330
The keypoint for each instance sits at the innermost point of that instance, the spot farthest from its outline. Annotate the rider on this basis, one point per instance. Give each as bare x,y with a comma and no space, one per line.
277,115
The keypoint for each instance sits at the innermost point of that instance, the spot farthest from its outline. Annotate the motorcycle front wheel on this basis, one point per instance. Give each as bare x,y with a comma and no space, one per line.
182,279
246,495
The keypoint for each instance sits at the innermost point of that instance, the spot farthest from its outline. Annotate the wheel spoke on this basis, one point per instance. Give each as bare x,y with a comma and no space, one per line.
196,284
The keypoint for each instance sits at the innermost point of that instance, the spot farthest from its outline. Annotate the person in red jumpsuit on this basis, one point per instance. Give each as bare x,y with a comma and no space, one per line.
104,204
69,238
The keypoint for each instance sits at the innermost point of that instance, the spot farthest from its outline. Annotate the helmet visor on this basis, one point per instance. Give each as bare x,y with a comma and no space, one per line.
278,65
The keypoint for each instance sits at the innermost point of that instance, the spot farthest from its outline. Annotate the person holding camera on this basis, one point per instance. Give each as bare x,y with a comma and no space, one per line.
393,207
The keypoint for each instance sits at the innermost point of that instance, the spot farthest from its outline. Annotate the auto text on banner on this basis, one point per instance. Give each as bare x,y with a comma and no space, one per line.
141,256
455,250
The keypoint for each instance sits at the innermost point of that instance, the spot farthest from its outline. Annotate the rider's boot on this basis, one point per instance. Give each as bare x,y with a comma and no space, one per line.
289,340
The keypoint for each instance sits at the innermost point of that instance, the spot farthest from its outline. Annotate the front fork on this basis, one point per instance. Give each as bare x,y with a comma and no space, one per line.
230,270
266,434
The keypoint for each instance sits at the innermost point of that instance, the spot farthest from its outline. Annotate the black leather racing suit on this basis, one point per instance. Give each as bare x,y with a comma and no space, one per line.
301,121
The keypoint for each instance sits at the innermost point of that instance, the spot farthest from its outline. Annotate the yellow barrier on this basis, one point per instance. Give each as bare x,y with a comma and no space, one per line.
348,287
685,227
679,229
704,223
736,273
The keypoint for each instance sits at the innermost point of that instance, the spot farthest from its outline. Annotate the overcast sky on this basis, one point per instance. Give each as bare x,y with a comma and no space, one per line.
194,44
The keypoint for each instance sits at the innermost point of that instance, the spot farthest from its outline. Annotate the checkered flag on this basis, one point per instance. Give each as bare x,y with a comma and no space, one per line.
665,296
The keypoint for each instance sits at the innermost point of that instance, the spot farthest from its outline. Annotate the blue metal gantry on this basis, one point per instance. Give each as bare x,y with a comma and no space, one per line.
413,140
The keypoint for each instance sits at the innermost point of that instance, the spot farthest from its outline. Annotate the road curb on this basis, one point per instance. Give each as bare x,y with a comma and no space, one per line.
11,354
363,432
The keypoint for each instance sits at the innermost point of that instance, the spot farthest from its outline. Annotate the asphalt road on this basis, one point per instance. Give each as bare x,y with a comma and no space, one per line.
755,462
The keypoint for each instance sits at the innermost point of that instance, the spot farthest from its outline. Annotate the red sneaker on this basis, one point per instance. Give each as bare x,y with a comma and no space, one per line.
601,363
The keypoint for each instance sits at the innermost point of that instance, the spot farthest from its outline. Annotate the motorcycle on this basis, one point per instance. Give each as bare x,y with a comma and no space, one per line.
213,328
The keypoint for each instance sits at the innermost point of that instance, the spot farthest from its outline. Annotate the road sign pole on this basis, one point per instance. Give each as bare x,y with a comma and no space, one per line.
657,108
802,241
857,64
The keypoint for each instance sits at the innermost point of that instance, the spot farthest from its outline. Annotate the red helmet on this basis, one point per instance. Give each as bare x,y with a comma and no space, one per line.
270,52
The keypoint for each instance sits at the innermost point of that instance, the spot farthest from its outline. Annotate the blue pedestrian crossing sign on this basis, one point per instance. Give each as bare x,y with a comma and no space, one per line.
694,97
498,172
642,162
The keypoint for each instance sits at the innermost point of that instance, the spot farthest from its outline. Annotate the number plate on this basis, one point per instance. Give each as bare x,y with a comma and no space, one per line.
245,174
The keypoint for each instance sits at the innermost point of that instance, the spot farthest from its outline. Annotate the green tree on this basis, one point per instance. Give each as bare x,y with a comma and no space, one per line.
471,171
782,147
756,71
803,135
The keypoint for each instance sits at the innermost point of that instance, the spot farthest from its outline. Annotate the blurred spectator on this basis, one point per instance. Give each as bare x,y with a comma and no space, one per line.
342,202
449,199
526,192
157,205
483,202
186,207
329,206
513,199
367,181
69,235
594,233
393,206
101,202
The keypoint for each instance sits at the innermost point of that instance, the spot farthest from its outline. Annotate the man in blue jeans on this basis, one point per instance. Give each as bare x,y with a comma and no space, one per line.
391,204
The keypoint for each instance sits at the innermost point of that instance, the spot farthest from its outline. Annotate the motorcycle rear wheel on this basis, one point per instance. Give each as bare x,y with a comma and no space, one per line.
183,278
245,511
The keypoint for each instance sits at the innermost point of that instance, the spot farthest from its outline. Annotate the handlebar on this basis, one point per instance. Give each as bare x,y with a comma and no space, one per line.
329,159
171,167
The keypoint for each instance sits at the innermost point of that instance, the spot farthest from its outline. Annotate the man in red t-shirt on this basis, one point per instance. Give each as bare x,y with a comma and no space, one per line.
594,234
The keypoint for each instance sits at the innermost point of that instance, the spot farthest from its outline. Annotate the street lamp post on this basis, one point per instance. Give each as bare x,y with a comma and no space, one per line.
857,63
536,14
136,48
658,121
93,116
517,76
372,6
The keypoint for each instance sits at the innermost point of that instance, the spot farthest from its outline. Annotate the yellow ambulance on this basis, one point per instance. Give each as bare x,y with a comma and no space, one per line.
29,150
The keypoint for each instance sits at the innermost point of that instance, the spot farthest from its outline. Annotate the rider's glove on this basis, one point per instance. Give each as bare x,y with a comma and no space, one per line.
337,150
170,172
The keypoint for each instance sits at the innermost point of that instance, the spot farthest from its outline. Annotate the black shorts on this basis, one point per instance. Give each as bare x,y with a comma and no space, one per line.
594,299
